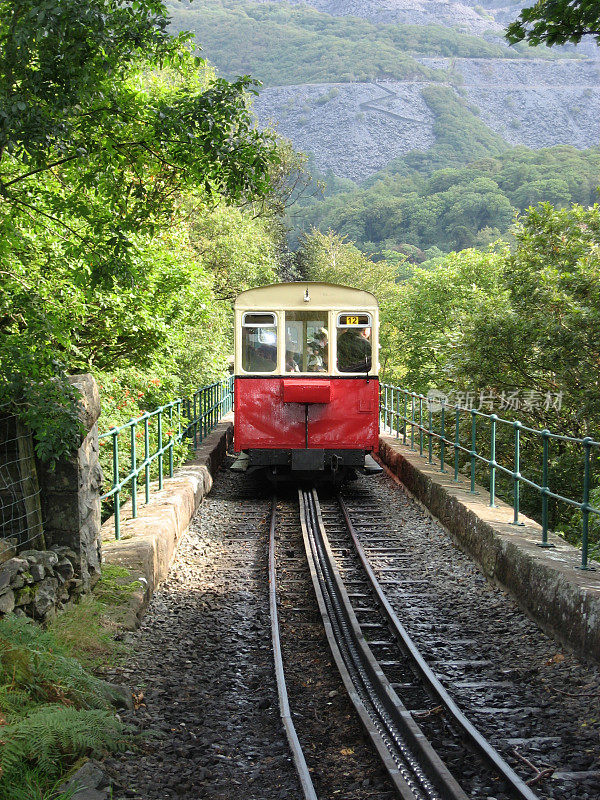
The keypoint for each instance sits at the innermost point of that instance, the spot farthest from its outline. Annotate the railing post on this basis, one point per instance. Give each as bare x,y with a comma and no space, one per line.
178,421
386,422
133,470
420,425
146,457
544,489
197,427
209,400
160,445
585,506
443,437
430,435
171,440
494,420
517,473
117,494
405,417
412,421
473,449
456,441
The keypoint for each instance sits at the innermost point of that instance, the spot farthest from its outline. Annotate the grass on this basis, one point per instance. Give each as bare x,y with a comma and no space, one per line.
87,629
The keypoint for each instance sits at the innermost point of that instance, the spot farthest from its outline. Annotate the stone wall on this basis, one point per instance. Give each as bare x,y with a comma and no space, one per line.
66,563
38,582
71,492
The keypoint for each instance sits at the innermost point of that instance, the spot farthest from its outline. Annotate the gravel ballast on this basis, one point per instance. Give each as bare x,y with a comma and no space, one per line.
203,673
202,659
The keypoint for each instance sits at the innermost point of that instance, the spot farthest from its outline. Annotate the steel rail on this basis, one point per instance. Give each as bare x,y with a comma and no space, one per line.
414,768
491,755
284,706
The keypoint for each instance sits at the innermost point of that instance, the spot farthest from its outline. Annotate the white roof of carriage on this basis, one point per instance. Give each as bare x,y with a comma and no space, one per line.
291,296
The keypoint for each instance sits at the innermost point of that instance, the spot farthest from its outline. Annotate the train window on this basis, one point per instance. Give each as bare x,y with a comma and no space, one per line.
354,343
306,341
259,342
251,319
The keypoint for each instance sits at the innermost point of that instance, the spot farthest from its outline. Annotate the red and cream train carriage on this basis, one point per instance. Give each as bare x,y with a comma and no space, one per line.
306,385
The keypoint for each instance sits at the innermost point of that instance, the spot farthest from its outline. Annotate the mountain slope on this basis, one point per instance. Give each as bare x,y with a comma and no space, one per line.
352,90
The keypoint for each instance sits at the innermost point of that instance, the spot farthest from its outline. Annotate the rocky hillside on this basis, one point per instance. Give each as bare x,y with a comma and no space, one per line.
354,129
348,81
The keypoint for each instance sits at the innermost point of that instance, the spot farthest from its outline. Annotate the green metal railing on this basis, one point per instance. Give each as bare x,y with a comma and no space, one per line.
409,415
190,418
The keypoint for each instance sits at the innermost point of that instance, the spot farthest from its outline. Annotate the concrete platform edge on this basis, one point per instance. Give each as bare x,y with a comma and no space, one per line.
546,583
149,542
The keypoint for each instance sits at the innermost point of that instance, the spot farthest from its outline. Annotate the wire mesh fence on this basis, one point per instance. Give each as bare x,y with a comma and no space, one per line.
20,501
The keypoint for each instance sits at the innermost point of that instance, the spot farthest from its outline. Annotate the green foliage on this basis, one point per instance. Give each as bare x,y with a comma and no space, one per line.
556,22
460,136
526,319
110,130
413,202
115,587
86,629
284,44
55,57
33,661
52,711
549,327
49,738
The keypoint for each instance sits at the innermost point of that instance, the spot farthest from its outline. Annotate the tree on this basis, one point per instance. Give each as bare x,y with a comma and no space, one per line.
99,102
109,130
553,22
433,311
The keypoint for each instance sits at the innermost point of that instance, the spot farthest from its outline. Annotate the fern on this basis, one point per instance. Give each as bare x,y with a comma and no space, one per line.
32,786
52,712
14,701
32,660
51,737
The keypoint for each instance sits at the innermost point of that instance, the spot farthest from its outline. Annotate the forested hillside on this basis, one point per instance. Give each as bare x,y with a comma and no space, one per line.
410,208
283,44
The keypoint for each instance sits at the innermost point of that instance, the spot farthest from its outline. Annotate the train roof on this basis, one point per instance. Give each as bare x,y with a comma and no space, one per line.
292,295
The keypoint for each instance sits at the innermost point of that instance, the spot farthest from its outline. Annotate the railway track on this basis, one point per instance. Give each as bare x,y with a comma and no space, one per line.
428,748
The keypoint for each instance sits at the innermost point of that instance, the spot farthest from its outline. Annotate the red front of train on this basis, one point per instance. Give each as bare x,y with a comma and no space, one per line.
306,388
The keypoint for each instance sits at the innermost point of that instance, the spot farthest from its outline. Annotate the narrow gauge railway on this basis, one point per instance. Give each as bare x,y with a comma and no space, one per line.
423,739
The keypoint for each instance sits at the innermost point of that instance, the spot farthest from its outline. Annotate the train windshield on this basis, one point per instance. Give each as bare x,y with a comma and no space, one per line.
306,341
354,342
259,342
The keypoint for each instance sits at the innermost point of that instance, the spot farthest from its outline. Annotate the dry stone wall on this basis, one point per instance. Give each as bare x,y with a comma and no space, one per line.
37,583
